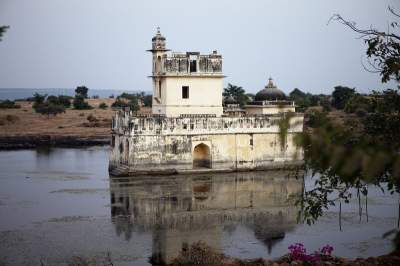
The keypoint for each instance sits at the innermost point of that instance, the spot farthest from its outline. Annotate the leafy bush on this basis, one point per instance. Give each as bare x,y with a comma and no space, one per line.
80,104
65,100
359,102
132,104
7,104
315,118
103,106
60,100
48,108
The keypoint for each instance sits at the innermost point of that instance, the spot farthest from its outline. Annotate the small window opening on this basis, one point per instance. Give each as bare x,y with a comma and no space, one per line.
185,92
193,63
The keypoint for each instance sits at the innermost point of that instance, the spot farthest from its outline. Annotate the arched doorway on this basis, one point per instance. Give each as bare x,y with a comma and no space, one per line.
201,156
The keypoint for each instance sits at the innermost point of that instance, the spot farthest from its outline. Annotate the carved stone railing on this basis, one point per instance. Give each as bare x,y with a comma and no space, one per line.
180,63
125,123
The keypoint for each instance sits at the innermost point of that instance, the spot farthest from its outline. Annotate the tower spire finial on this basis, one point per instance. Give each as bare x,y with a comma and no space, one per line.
158,30
270,83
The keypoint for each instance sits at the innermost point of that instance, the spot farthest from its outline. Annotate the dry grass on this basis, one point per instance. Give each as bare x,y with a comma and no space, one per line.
70,123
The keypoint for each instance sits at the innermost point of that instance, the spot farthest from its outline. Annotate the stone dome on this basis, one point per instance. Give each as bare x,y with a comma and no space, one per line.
158,36
270,93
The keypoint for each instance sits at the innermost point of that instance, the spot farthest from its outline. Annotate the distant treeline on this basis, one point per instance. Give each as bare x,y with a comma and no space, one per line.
52,105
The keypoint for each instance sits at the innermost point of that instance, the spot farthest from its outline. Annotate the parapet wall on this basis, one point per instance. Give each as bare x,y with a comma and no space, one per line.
177,145
126,123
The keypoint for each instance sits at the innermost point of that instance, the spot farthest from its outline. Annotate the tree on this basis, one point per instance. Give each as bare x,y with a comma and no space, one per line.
82,91
341,95
297,94
237,92
383,52
148,100
3,29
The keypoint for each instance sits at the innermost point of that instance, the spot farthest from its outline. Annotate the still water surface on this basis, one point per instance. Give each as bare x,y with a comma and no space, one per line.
60,203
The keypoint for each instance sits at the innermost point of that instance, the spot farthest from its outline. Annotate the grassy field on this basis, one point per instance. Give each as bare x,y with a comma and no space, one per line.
25,122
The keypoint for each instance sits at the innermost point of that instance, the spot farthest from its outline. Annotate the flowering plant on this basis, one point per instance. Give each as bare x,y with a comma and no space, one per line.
298,252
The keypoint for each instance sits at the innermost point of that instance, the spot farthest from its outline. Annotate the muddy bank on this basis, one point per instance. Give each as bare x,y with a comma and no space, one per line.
30,141
201,254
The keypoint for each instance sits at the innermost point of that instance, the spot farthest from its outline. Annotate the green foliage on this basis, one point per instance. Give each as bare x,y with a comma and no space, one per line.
130,100
103,106
39,98
3,29
129,96
341,95
82,91
7,104
305,100
48,108
80,104
50,105
315,118
60,100
383,52
359,102
238,93
383,125
346,161
148,100
119,103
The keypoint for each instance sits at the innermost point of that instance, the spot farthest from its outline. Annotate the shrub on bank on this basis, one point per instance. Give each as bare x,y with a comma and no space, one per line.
80,104
7,104
103,106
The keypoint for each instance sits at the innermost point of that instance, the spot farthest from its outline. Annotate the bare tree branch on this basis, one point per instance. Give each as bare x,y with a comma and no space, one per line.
370,32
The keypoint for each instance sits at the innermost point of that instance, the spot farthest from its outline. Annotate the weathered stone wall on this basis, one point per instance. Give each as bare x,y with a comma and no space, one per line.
233,143
205,96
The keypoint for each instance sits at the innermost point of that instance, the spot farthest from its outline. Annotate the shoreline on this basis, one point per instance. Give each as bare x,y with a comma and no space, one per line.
201,254
32,142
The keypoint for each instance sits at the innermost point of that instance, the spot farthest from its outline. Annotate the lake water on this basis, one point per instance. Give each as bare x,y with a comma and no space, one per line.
59,203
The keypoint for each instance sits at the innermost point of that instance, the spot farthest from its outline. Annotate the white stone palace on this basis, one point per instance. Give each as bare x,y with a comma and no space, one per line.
193,129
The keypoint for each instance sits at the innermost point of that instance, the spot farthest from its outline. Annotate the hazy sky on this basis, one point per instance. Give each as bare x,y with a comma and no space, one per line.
102,43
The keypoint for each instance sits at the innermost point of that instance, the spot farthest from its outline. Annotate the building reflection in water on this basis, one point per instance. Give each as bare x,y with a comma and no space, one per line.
181,210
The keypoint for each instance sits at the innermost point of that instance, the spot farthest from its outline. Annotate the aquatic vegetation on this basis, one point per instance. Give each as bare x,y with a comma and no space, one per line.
298,252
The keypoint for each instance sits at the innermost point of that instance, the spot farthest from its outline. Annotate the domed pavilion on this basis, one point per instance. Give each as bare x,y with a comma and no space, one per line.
270,100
